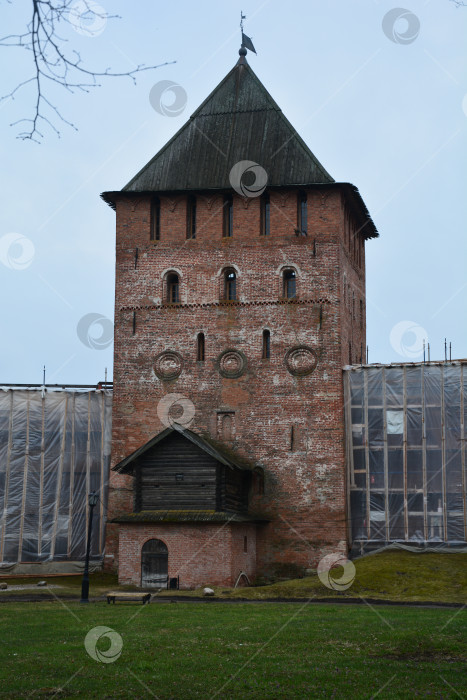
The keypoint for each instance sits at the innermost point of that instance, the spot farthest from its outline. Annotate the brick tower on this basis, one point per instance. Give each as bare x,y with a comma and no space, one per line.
240,296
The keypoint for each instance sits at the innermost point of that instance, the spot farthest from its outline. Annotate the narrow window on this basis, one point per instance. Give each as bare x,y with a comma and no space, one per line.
173,289
265,215
227,427
361,313
302,213
350,353
228,216
155,233
230,285
289,284
245,543
200,348
258,482
266,345
191,217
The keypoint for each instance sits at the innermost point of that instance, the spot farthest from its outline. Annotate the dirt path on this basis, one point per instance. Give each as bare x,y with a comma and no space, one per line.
190,599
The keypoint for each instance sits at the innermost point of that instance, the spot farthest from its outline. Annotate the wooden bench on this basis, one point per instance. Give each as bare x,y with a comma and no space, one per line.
120,595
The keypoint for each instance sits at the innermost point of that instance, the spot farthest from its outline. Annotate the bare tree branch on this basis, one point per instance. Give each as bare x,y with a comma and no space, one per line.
54,61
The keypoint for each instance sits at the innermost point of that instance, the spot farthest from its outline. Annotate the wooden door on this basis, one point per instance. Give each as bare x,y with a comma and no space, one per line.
154,564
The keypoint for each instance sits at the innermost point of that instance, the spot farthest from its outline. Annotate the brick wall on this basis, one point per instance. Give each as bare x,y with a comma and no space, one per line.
200,554
291,426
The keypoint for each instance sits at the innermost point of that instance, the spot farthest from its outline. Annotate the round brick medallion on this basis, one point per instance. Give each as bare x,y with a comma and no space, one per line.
231,364
168,364
300,361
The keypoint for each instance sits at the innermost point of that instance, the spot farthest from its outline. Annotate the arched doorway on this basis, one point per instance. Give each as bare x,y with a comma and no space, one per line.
154,564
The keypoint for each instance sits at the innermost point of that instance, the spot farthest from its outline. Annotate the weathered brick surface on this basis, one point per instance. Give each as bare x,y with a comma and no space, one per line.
199,554
304,495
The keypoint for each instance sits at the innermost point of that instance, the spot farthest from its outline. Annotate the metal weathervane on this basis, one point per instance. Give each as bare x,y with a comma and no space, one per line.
246,41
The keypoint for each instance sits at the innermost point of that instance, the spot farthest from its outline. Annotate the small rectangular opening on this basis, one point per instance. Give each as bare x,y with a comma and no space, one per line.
155,232
302,213
265,227
266,354
228,216
191,217
200,347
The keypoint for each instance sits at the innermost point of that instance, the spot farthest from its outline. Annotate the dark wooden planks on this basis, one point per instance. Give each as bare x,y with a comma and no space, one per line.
177,474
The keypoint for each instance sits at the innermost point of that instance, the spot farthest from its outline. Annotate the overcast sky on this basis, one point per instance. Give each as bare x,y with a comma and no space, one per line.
380,97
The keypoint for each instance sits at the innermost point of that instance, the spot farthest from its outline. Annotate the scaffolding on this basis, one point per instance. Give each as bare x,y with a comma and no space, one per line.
406,453
54,450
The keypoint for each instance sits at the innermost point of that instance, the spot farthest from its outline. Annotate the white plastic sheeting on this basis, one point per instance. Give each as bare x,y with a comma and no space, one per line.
406,453
54,450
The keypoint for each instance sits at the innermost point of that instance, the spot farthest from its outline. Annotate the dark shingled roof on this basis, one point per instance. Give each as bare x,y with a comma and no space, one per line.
238,121
221,453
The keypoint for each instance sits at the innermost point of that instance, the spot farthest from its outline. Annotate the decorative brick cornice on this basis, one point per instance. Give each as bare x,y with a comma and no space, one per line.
226,304
188,516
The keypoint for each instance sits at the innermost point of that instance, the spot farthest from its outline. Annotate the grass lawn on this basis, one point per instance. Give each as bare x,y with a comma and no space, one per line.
184,650
391,575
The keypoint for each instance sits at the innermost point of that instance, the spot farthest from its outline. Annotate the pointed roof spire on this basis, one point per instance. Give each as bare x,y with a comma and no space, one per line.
246,42
238,121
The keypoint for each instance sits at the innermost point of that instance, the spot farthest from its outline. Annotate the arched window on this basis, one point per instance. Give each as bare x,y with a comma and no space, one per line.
155,231
302,213
191,217
154,564
266,354
200,344
228,216
227,427
289,290
173,288
230,285
265,215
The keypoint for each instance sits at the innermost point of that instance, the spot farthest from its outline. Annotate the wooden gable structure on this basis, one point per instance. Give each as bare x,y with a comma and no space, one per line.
179,470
